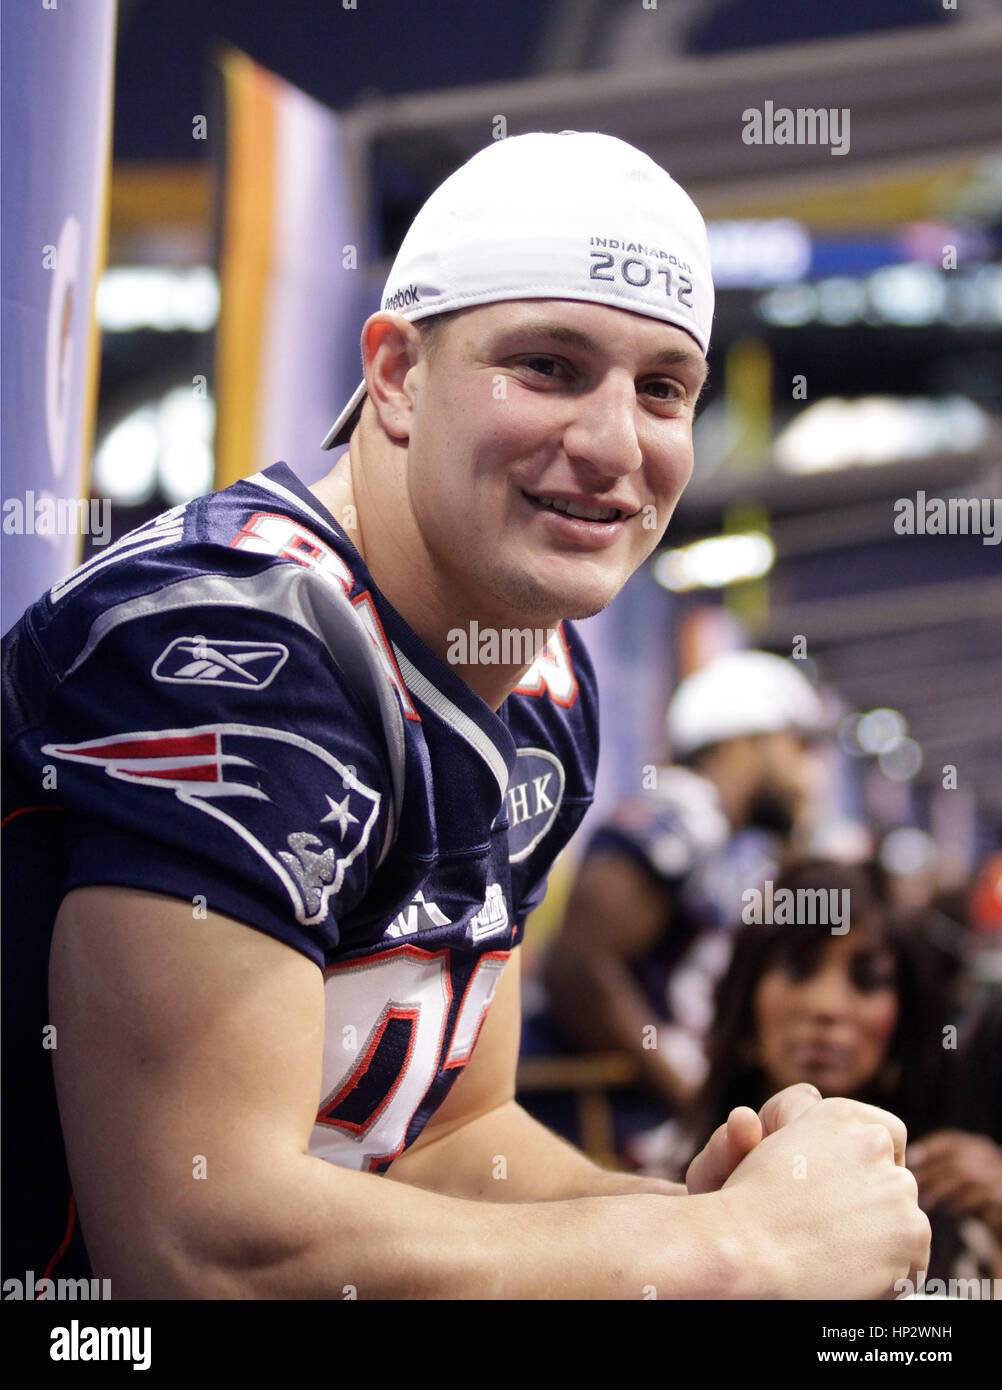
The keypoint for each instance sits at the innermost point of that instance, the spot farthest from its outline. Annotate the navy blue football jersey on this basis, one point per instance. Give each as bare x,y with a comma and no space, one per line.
222,707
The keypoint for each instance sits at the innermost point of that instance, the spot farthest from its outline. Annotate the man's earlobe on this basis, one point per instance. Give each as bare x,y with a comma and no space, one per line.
391,355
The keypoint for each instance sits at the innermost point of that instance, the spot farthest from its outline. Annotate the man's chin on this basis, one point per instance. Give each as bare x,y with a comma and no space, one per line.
586,609
532,603
555,609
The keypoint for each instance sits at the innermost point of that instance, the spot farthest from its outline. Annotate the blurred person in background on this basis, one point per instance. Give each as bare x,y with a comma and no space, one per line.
866,1013
648,926
959,1168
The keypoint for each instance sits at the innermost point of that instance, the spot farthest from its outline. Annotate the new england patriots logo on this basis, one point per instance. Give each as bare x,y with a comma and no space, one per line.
263,793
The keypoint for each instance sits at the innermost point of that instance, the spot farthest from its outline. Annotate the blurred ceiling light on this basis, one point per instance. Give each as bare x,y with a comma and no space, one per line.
185,423
185,470
817,439
836,433
790,306
910,295
881,730
159,297
848,736
753,253
125,465
964,304
841,300
901,762
908,851
716,562
165,443
907,294
988,287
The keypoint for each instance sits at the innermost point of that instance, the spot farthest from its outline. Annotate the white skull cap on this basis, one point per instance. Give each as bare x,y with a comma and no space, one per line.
575,215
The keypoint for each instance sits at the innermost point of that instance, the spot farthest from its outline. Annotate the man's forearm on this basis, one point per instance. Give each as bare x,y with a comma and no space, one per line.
309,1230
507,1156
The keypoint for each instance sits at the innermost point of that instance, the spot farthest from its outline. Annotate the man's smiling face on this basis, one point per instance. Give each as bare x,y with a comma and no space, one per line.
549,443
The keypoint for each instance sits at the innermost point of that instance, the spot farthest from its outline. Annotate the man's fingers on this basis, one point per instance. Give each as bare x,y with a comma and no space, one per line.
784,1107
873,1115
727,1146
744,1131
705,1172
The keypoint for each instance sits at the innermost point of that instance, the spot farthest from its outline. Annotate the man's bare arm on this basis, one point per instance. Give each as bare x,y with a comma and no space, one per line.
615,916
190,1046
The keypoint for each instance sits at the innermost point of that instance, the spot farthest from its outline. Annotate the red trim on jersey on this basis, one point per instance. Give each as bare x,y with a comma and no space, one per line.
543,687
421,954
366,597
64,1245
323,1116
23,811
306,556
462,1061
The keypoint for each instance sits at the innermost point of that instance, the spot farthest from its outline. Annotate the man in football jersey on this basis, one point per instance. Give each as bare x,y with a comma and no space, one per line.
262,771
649,922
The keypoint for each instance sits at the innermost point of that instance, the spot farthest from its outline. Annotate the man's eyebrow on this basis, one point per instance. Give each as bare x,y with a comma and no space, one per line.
573,337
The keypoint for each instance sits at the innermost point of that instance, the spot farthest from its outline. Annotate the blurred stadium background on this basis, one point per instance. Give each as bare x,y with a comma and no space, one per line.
264,162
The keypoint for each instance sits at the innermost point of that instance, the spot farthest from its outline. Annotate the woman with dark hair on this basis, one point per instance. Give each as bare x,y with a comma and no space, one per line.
862,1007
857,1008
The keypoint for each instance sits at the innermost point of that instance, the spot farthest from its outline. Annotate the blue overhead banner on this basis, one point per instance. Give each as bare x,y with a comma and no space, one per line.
56,103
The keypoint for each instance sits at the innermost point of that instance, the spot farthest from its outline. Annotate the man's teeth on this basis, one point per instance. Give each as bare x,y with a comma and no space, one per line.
576,509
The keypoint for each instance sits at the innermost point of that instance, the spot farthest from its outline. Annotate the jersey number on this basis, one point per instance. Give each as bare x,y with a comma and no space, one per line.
385,1043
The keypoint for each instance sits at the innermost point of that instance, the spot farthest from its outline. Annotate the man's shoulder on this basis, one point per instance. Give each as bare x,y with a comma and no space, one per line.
256,524
185,656
212,718
219,585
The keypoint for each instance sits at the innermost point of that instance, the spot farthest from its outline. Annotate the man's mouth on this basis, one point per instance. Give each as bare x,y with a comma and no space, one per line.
583,511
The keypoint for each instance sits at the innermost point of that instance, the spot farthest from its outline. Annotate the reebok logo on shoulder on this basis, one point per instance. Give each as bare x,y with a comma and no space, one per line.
203,661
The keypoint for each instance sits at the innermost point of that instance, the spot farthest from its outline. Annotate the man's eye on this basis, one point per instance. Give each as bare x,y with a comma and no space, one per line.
665,390
546,366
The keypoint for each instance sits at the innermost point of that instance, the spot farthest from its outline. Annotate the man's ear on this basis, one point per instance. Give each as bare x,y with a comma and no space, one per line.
390,348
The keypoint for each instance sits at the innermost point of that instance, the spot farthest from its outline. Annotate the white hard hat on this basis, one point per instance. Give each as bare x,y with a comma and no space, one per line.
740,693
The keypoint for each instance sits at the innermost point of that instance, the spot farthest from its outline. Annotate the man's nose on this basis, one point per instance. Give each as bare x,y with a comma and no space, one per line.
602,433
